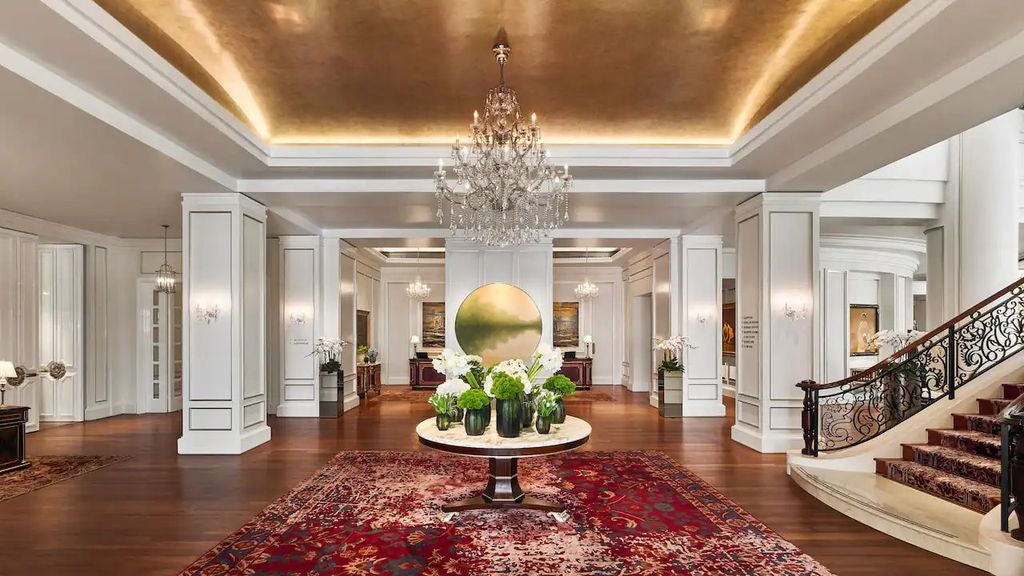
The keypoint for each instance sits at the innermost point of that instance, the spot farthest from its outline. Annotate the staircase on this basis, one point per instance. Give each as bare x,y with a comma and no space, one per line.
961,464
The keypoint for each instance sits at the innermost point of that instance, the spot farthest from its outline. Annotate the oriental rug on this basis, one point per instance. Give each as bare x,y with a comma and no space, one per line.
48,470
378,513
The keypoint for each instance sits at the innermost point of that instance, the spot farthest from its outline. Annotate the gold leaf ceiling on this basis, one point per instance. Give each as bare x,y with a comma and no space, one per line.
402,71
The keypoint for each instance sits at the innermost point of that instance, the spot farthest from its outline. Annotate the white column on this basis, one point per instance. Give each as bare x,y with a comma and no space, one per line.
700,320
777,321
299,293
346,295
989,183
224,342
665,309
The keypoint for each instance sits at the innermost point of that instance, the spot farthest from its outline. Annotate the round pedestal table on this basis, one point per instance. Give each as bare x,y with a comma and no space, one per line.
503,454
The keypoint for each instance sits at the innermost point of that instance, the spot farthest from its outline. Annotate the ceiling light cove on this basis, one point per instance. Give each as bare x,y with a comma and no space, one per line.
643,72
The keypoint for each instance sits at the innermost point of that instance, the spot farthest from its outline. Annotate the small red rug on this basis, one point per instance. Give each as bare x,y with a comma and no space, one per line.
47,470
377,513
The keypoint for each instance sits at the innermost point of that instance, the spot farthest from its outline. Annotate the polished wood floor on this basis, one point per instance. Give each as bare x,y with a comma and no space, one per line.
157,512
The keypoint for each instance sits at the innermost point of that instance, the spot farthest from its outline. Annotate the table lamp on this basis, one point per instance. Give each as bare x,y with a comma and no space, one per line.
6,371
414,341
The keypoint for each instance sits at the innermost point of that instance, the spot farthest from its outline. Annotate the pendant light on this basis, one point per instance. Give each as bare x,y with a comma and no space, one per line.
417,290
587,290
165,275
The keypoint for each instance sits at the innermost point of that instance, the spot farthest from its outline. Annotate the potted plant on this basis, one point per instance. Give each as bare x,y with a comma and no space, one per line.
546,404
670,374
544,363
453,389
371,355
476,403
327,351
562,388
442,404
508,390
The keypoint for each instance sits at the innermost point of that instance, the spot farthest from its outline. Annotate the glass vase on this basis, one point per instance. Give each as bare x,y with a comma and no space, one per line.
527,413
474,421
544,423
443,421
559,413
509,418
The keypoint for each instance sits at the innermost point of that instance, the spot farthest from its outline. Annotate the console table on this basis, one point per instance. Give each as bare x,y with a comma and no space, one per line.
580,371
503,454
422,375
12,438
367,379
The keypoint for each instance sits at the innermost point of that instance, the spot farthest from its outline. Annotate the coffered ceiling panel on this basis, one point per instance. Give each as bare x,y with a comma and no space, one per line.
393,71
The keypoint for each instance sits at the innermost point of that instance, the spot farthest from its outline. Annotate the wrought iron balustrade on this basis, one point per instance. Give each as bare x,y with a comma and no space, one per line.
854,410
1011,479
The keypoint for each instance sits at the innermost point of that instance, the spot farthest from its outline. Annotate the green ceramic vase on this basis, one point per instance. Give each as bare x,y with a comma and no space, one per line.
474,421
527,413
509,418
443,421
559,413
457,414
544,423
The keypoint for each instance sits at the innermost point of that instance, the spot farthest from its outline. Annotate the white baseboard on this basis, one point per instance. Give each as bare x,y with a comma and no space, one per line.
218,442
350,402
293,409
776,443
708,408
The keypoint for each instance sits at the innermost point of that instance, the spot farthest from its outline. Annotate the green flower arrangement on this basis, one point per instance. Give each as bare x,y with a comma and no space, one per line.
477,373
505,386
560,385
442,403
473,399
546,402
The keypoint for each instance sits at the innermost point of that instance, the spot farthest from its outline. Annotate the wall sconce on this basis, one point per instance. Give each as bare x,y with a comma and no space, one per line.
297,319
794,313
206,312
702,318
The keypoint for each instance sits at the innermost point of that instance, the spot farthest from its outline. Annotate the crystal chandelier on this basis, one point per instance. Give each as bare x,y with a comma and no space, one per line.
504,192
165,275
417,290
587,290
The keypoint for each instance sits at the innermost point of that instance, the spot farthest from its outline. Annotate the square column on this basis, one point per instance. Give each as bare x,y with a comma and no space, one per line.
299,290
223,333
700,302
778,327
340,287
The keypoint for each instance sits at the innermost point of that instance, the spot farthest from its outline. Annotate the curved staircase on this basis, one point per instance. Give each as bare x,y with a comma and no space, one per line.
961,464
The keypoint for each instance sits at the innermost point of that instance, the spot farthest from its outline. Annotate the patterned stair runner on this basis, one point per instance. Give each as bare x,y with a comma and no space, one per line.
960,465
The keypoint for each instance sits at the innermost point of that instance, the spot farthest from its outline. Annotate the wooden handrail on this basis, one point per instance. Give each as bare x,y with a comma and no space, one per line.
863,375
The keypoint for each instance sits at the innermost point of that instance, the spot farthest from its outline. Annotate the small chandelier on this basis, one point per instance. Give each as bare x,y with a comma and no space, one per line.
587,290
417,290
165,275
504,193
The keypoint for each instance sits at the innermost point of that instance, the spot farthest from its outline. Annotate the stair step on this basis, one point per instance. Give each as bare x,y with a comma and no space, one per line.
971,466
966,440
967,493
977,422
991,406
1012,390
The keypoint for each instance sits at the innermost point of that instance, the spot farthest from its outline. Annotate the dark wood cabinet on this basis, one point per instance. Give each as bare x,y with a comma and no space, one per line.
12,438
580,371
422,375
367,379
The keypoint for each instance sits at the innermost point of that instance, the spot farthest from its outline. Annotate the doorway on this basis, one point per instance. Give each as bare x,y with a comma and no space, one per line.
159,348
641,336
61,330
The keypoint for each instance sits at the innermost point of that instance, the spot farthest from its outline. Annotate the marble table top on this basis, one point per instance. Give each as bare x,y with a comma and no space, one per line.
573,432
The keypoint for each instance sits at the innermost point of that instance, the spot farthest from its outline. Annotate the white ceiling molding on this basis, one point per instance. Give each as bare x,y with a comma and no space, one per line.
884,210
609,233
428,186
909,245
865,260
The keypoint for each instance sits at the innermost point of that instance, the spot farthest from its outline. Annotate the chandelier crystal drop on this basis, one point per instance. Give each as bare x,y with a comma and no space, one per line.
503,192
587,290
165,274
417,290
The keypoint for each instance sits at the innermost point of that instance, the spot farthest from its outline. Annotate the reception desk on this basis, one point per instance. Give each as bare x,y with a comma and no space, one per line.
580,371
422,375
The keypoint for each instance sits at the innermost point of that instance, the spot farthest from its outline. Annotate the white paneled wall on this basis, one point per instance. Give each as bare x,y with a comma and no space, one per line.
637,366
62,330
399,318
602,318
99,400
299,289
19,315
701,322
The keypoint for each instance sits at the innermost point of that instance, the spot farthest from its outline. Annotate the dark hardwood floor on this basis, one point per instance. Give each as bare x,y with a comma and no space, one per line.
158,511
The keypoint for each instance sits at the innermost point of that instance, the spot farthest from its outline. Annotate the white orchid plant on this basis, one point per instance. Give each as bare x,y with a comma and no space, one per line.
896,341
327,350
672,352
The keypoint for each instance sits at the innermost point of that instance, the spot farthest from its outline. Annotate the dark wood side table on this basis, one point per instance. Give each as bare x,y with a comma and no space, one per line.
422,375
367,379
12,438
580,371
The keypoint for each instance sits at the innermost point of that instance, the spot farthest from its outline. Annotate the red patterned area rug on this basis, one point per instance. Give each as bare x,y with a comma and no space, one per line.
377,513
47,470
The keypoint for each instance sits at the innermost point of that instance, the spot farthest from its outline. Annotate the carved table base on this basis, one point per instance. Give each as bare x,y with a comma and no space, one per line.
503,491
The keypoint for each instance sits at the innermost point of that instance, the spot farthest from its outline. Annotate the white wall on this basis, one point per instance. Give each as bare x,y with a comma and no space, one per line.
603,318
638,279
398,318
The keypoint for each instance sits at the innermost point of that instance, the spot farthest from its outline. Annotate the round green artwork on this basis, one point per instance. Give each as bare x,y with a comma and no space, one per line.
498,322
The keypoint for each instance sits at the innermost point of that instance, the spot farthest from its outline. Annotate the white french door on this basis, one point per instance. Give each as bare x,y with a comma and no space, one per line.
61,282
159,350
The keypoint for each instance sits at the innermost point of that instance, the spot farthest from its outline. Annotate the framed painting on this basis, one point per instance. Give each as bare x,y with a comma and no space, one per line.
498,322
863,326
433,325
729,329
566,320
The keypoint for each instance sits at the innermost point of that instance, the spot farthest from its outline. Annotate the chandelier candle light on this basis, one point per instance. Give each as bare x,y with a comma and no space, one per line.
587,290
417,290
504,192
